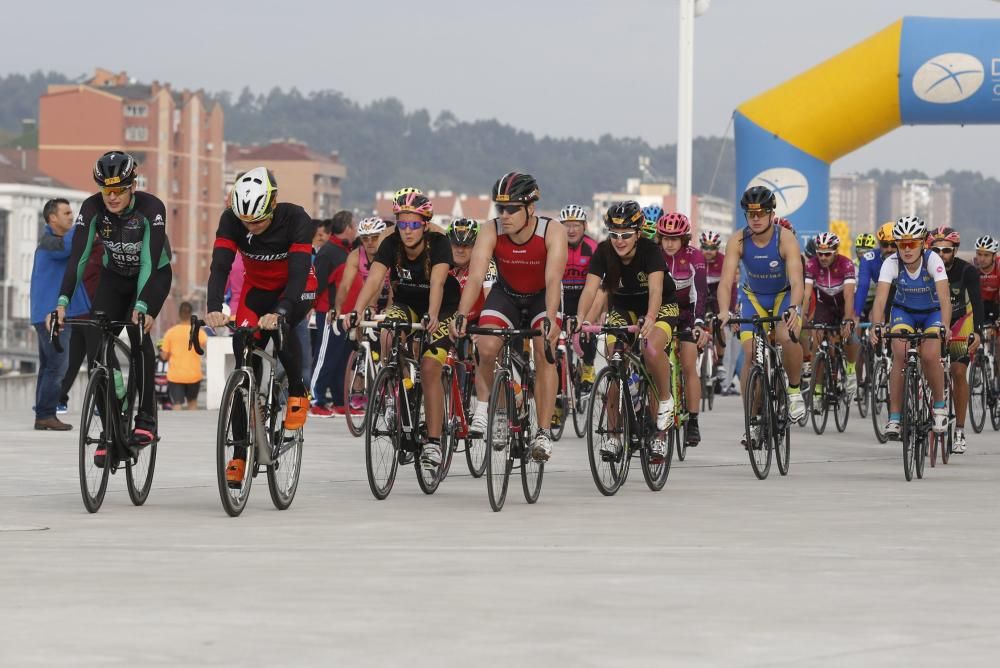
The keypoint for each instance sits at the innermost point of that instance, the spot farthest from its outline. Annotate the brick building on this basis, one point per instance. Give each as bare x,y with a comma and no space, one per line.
177,139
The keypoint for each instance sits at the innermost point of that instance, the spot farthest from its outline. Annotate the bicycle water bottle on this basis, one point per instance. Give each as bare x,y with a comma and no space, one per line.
633,390
119,385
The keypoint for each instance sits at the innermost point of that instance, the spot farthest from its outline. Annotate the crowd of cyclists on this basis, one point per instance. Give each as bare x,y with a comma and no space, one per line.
646,281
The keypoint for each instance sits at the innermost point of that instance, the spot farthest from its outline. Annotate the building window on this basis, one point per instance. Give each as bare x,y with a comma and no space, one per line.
136,110
136,133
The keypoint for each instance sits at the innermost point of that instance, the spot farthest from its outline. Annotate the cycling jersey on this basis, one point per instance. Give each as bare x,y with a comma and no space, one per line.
521,267
989,285
364,266
461,274
279,259
963,282
828,282
632,291
411,279
915,292
868,272
135,246
764,269
577,263
688,271
713,274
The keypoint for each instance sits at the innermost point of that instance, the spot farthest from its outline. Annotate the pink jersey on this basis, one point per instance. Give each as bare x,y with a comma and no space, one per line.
828,282
714,275
687,268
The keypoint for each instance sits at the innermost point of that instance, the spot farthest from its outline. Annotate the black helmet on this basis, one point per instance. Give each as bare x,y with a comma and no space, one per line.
758,198
463,232
811,247
115,168
516,187
624,214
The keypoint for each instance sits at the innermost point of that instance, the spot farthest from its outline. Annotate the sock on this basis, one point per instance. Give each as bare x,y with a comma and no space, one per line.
794,389
435,441
939,404
850,367
893,417
693,417
481,409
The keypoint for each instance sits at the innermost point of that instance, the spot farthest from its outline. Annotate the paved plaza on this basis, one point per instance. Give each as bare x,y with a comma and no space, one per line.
842,563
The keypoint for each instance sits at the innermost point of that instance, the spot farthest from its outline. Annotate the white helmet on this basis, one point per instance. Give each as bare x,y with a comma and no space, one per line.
827,241
988,244
573,212
253,196
370,226
909,227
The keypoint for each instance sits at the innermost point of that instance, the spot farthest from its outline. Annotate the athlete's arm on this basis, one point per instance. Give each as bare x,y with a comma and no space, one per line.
152,295
590,290
223,254
864,285
299,260
970,283
556,251
83,243
727,281
482,253
792,254
655,283
700,288
351,267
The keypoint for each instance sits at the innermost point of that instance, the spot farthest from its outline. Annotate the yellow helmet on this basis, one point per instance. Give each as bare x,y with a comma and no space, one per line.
885,232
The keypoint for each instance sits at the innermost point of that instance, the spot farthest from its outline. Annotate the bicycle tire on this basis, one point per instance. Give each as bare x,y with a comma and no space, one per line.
449,443
759,451
782,437
679,418
820,411
498,459
140,468
978,394
879,397
608,472
908,430
864,381
842,405
381,424
532,471
356,368
238,389
94,479
563,394
656,475
284,472
948,443
581,404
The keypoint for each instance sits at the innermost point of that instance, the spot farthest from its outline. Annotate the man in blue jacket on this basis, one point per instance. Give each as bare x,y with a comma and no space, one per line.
51,257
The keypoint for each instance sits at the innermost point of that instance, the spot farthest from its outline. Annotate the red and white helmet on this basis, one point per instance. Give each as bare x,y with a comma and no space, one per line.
710,239
673,224
827,241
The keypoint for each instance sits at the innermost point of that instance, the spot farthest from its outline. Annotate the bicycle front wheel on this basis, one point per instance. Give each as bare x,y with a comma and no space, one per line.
498,436
756,409
864,375
820,407
580,404
842,401
655,474
532,470
382,433
978,408
356,392
911,423
783,433
879,398
286,466
139,468
608,437
563,397
95,434
233,439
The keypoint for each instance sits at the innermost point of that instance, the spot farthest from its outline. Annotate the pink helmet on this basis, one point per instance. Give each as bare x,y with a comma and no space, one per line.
673,224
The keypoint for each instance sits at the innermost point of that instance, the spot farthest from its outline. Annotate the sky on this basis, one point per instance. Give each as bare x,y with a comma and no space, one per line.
580,69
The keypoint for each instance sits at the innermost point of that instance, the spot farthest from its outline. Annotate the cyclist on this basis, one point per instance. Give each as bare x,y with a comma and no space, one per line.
686,266
868,270
966,317
709,242
989,276
136,275
275,241
581,250
831,277
631,272
650,216
418,262
863,243
772,270
358,264
530,255
917,304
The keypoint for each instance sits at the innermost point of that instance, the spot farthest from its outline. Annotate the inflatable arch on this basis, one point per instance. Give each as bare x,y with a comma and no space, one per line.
917,71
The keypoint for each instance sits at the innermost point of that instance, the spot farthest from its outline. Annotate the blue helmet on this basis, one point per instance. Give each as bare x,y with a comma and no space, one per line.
652,212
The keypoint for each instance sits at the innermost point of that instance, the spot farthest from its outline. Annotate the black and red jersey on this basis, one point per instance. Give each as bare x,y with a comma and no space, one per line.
521,266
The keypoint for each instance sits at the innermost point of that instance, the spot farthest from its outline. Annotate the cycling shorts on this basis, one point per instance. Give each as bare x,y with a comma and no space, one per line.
509,311
438,342
901,320
958,351
666,319
752,304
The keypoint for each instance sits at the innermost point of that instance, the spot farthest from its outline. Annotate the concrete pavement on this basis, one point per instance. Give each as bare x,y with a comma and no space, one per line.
840,563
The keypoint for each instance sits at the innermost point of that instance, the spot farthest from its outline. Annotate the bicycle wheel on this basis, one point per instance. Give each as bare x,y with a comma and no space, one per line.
978,394
581,410
864,382
707,381
563,395
95,433
532,471
475,447
235,430
842,401
356,392
139,468
498,436
678,421
994,402
879,398
430,479
911,425
608,470
655,475
820,406
782,433
286,466
756,410
382,432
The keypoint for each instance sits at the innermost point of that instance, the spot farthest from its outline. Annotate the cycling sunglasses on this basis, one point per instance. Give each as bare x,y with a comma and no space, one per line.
409,224
909,244
621,235
509,209
709,248
826,253
115,190
943,250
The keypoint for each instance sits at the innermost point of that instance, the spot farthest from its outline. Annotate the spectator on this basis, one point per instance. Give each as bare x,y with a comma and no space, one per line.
51,258
184,373
330,364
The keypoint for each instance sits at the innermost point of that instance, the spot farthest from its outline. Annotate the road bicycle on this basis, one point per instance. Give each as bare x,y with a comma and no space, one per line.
571,402
363,365
829,376
984,384
459,377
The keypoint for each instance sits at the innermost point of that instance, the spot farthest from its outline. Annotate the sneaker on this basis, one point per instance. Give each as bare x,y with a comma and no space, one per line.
958,447
320,411
851,385
720,373
62,409
586,379
430,456
754,438
693,434
796,406
717,386
406,457
940,420
611,447
338,410
478,424
235,471
358,402
541,446
100,455
892,430
142,437
817,402
807,369
734,389
664,413
657,450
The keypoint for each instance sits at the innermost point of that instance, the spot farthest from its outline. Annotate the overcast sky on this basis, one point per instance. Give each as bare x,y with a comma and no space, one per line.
581,68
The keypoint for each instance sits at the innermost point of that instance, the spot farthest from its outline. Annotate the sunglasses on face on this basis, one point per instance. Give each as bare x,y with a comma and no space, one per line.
710,248
409,224
754,215
825,253
509,209
943,250
115,191
909,244
622,236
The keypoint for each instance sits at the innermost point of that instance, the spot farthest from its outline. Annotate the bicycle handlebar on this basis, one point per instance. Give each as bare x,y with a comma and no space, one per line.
98,320
197,323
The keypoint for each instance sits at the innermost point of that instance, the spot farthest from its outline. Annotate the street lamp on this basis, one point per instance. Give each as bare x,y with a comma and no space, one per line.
689,9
